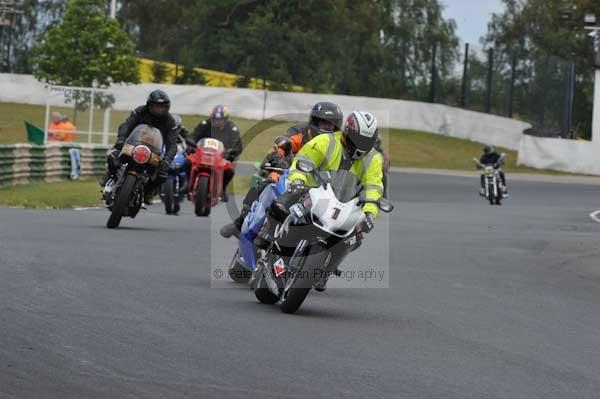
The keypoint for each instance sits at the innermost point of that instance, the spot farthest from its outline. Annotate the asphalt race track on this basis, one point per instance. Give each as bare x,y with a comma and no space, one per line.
483,302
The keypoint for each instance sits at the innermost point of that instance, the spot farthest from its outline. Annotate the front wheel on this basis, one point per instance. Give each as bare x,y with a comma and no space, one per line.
262,291
201,207
491,195
237,272
168,196
121,202
295,291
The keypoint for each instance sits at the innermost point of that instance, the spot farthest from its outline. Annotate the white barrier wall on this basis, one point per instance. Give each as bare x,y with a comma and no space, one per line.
435,118
258,104
558,154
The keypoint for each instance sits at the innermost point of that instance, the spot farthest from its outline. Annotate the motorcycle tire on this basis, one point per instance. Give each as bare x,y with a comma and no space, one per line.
239,273
121,202
262,291
202,197
292,299
168,196
491,197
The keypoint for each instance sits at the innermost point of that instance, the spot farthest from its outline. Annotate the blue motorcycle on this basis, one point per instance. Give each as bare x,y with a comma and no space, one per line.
244,260
173,190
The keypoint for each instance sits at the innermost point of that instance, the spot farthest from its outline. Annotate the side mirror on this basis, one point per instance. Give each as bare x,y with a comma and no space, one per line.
305,165
385,205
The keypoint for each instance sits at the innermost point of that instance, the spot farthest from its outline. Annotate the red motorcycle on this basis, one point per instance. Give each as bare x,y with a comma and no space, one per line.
206,177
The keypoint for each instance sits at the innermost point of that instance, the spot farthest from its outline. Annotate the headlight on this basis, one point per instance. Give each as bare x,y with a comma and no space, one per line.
489,170
141,154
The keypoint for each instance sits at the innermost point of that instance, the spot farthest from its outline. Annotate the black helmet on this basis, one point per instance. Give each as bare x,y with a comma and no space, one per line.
360,133
285,143
328,112
488,149
158,103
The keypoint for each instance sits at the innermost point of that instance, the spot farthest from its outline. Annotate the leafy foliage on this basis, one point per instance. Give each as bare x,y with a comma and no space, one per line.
370,47
159,72
545,37
85,49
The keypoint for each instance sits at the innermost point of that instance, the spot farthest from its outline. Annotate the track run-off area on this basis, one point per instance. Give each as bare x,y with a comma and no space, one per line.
481,302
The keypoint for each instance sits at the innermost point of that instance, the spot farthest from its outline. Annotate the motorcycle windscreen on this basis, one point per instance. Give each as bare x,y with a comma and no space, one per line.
211,145
148,136
345,185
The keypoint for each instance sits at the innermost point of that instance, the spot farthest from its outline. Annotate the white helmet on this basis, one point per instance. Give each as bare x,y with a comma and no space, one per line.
360,133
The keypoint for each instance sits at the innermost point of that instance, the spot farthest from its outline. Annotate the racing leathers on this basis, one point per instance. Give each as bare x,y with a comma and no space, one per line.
229,135
327,153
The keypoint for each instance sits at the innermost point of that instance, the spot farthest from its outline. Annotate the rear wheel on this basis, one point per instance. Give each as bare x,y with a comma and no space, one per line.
121,202
201,207
169,196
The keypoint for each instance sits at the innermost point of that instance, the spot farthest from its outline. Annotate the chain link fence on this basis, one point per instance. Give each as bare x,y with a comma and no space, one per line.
548,92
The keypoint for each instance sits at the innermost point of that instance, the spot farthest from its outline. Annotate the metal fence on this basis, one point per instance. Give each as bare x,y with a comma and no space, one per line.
546,91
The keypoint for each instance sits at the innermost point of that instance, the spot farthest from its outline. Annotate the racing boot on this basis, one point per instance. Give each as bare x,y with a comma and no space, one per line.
229,230
105,178
148,195
234,229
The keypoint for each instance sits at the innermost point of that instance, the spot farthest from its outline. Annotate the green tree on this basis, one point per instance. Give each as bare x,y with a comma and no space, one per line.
545,37
85,49
159,72
191,75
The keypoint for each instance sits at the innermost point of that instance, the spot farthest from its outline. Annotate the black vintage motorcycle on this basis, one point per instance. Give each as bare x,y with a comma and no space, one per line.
140,158
492,187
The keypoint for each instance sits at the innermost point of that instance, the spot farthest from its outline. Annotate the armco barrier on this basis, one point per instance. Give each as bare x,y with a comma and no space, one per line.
560,154
22,163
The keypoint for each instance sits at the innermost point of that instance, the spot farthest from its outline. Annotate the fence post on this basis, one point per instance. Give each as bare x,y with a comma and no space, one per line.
47,121
433,74
511,89
488,100
106,126
264,110
463,94
91,124
567,122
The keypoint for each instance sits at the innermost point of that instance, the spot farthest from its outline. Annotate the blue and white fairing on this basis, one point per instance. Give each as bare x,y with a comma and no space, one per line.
255,219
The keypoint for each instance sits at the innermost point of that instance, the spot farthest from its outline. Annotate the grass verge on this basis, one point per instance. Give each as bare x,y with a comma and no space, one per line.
69,194
57,195
407,148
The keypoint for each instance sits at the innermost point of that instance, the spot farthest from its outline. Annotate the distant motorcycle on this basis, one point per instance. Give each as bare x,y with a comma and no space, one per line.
140,157
243,262
493,191
330,214
172,191
206,177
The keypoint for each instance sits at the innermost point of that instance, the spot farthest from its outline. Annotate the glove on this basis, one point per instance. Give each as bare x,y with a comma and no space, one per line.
190,149
119,145
230,155
163,169
114,153
367,224
296,187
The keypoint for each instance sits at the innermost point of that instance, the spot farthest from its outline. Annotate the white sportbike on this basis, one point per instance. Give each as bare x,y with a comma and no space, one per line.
324,223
